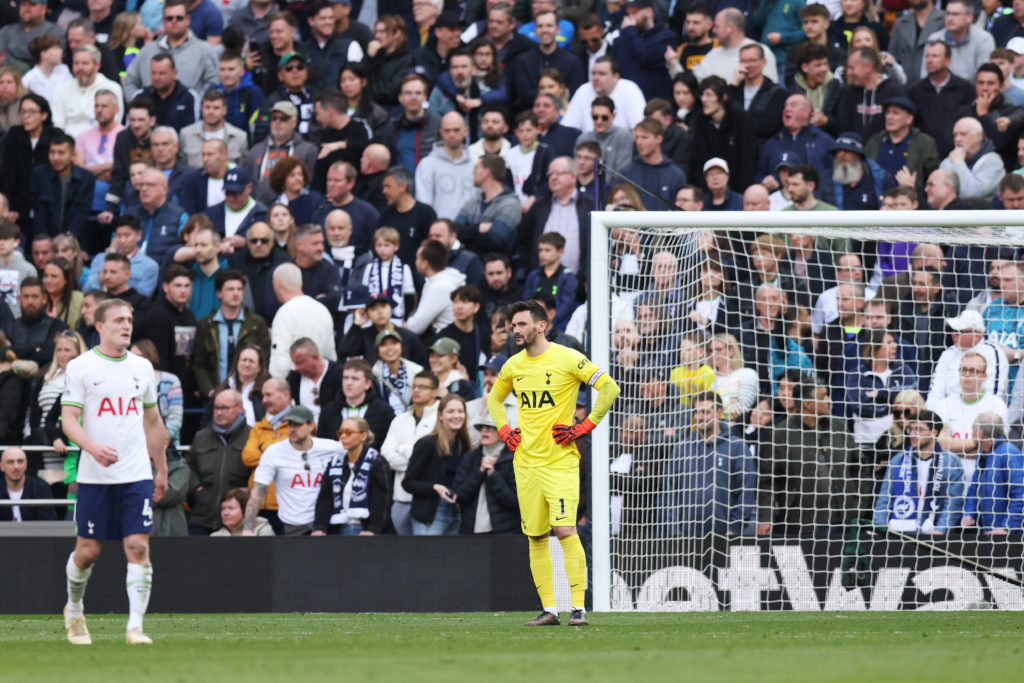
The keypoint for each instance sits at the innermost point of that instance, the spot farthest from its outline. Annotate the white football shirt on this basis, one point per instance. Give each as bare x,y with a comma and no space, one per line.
296,478
112,393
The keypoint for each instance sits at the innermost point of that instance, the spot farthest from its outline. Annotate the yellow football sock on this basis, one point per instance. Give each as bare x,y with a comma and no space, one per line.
575,568
543,571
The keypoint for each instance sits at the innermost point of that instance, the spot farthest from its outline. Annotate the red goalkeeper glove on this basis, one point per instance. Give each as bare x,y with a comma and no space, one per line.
565,435
510,436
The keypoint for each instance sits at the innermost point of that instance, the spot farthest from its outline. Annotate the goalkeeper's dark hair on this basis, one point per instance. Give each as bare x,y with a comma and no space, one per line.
533,307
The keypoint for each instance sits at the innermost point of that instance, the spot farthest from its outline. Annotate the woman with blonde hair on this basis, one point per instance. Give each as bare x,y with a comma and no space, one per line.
355,495
431,471
389,59
45,393
735,384
11,92
127,38
67,247
624,198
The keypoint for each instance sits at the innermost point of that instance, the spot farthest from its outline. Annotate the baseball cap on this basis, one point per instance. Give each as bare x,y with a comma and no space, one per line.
353,297
716,162
379,299
1016,45
445,346
285,107
902,102
496,362
967,320
300,415
236,179
851,142
386,334
448,20
289,56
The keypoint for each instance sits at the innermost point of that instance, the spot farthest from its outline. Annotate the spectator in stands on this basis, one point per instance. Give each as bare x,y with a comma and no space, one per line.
605,81
650,169
723,130
995,495
406,430
162,220
736,385
320,278
815,80
498,287
341,137
716,178
764,105
63,298
493,126
465,261
859,181
257,262
233,217
329,52
32,335
144,271
431,471
356,398
939,96
560,139
818,504
904,152
232,512
247,375
72,102
722,61
959,410
341,180
970,45
444,179
552,276
864,84
485,486
443,357
42,251
545,54
914,498
467,333
314,382
16,484
415,129
698,497
17,35
974,160
217,339
25,147
801,185
45,392
289,180
910,36
61,192
299,316
243,97
212,125
922,319
355,495
797,142
758,331
391,368
215,461
410,217
115,278
968,332
434,310
388,276
269,429
282,142
390,58
168,390
174,103
616,142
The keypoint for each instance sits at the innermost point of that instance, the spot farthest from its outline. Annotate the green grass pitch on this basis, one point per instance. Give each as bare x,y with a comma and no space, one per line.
296,648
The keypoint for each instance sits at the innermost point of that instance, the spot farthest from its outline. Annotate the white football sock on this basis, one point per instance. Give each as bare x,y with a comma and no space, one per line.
138,582
77,581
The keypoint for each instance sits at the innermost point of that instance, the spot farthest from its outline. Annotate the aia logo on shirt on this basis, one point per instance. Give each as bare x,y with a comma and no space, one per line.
307,481
119,409
535,399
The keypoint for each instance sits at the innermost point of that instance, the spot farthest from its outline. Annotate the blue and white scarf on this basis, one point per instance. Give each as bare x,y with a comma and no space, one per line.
359,502
392,289
906,490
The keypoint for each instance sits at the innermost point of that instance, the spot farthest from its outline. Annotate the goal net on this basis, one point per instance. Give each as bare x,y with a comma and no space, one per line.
819,411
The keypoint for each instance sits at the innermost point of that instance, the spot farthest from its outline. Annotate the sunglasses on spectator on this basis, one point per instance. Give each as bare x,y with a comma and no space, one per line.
174,17
282,117
600,117
904,414
295,67
348,432
259,240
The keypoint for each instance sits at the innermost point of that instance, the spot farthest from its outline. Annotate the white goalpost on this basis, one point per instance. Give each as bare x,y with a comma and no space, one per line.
830,491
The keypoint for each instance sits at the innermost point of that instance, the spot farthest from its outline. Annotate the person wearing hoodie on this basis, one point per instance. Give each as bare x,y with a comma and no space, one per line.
722,129
171,326
435,307
651,169
858,108
415,129
815,80
974,160
444,180
489,220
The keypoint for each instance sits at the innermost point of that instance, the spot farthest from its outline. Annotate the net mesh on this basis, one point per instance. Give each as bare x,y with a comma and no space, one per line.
799,419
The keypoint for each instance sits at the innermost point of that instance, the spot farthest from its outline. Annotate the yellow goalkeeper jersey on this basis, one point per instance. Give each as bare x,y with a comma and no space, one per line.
546,388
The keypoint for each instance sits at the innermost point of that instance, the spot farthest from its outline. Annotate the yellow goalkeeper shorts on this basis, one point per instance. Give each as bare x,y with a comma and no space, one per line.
547,498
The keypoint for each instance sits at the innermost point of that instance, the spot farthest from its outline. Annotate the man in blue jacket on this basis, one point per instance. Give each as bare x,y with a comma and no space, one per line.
61,205
640,49
161,220
710,483
995,496
651,169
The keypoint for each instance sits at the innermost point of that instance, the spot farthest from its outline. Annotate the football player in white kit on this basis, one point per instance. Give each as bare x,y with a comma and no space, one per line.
109,409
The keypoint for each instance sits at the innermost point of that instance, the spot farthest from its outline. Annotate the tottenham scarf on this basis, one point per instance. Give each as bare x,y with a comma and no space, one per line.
906,492
359,501
392,289
396,388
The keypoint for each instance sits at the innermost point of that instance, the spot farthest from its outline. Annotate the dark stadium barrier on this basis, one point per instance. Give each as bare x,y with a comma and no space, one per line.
382,574
866,573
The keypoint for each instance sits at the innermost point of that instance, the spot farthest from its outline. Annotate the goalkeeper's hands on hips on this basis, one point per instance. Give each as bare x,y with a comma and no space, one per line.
510,436
565,435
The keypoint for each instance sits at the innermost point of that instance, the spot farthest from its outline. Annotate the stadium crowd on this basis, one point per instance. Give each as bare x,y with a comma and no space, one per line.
320,212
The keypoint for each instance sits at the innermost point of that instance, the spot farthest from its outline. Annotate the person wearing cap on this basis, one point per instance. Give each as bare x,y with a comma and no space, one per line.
443,357
716,178
233,217
859,182
974,159
968,332
432,58
796,142
902,150
545,54
640,49
485,484
910,34
212,125
196,59
283,141
477,408
291,86
405,431
391,369
296,468
1016,46
328,52
298,316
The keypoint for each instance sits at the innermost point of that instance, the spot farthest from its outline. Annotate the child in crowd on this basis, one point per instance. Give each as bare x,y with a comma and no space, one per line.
49,70
386,275
693,375
553,278
520,158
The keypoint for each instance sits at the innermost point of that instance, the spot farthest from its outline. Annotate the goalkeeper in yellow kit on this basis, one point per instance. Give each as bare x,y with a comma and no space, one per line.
546,379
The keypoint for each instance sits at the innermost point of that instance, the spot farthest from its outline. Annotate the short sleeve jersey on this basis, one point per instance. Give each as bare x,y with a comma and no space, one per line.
296,478
112,393
546,388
